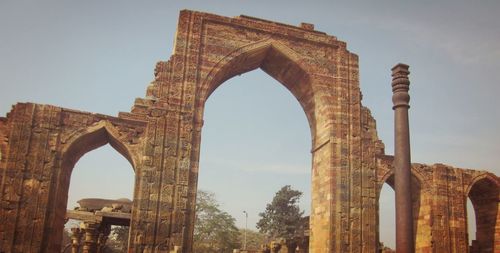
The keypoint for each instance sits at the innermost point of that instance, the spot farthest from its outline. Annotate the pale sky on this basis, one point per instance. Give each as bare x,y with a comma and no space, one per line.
98,56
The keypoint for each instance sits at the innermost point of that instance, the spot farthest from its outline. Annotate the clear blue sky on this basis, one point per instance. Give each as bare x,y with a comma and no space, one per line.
98,56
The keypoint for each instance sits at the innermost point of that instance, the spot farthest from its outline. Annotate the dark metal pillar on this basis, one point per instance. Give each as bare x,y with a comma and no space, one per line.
402,173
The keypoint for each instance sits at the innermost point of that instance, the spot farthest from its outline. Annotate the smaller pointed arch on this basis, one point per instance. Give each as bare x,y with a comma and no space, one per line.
77,145
481,179
416,174
421,224
483,192
95,136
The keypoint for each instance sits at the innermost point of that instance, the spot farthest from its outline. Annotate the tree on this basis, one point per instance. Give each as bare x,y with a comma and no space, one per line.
254,239
282,217
118,239
215,230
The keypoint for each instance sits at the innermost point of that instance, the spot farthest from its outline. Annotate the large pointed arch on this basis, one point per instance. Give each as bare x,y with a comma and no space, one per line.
299,74
245,59
288,67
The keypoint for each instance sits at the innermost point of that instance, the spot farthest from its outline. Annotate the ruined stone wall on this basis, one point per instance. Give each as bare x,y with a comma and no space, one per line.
315,67
323,76
161,138
439,194
44,144
24,176
4,132
370,145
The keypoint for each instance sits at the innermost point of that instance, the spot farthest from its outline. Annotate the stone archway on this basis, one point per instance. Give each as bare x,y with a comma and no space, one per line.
422,199
318,70
39,144
275,59
44,143
421,225
484,194
79,144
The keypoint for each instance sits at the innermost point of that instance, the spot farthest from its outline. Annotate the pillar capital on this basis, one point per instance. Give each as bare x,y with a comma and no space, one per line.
400,67
400,86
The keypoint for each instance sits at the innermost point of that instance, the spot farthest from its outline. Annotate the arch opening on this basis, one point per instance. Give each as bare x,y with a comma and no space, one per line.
297,73
256,155
483,195
471,224
85,143
418,214
278,61
387,214
90,141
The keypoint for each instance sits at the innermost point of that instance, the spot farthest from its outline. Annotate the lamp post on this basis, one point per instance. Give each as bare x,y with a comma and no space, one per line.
246,228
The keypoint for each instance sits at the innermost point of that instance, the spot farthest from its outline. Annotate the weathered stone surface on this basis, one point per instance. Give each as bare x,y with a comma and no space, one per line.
439,206
160,137
94,204
43,144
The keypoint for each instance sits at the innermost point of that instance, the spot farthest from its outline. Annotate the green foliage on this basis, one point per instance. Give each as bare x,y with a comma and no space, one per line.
254,239
215,230
118,240
282,217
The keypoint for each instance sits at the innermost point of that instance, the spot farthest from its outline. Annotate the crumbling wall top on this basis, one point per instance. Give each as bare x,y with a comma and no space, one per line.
303,31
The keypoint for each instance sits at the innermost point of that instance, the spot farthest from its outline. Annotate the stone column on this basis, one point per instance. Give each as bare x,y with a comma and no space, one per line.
91,231
402,173
76,236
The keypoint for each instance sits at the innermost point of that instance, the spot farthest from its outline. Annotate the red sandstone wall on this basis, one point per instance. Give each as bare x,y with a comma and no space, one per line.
323,76
44,144
161,138
4,133
441,222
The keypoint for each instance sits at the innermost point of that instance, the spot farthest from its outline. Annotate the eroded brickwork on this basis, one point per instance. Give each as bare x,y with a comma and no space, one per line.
44,143
323,76
4,132
439,195
161,136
